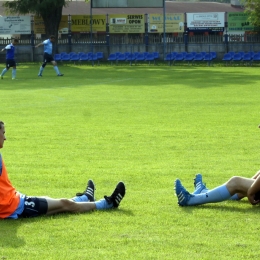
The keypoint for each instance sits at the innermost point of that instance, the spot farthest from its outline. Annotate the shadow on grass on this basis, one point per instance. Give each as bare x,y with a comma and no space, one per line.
115,211
8,234
230,206
133,76
9,237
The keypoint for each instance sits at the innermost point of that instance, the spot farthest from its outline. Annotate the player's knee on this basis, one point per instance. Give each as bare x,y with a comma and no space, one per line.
234,182
67,204
44,64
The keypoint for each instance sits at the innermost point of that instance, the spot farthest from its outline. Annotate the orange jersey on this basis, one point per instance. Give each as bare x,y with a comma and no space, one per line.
9,198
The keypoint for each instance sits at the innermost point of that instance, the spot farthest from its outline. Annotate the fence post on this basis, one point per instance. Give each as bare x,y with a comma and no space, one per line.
186,40
146,38
69,34
251,56
32,38
209,56
226,37
185,33
107,35
132,54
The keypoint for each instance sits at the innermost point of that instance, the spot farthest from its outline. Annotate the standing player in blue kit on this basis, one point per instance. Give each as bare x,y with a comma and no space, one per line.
47,56
10,61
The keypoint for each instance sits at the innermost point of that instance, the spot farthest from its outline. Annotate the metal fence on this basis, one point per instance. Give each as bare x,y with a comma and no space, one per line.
141,38
137,43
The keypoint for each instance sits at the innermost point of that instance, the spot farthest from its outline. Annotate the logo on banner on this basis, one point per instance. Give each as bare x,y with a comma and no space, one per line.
118,20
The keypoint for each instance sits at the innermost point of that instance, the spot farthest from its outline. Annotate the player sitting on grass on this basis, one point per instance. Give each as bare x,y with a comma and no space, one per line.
235,188
16,205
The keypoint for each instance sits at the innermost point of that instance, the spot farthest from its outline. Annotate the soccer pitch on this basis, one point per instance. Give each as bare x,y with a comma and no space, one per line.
144,125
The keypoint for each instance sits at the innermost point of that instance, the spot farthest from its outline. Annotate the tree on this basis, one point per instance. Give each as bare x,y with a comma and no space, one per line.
252,7
49,10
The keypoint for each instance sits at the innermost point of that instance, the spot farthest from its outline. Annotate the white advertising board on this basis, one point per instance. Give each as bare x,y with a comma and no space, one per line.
205,20
15,25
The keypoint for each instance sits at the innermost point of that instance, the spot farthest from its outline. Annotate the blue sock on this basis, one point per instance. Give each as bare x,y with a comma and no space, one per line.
235,197
82,198
13,73
102,204
200,192
41,70
218,194
204,190
4,71
56,69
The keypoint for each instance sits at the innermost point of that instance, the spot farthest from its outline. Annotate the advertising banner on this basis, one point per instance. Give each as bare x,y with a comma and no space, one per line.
206,21
15,25
63,27
123,23
173,23
238,21
82,23
39,27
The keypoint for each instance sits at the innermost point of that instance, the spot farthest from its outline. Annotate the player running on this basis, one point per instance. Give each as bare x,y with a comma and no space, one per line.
10,61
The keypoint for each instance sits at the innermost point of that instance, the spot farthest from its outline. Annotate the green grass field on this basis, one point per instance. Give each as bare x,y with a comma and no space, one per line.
147,126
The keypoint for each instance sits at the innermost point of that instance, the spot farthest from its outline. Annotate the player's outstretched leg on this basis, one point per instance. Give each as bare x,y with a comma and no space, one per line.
114,199
14,73
87,195
41,69
3,72
182,194
57,70
220,193
199,186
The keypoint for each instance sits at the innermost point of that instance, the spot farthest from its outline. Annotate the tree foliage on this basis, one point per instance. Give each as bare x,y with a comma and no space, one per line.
49,10
252,7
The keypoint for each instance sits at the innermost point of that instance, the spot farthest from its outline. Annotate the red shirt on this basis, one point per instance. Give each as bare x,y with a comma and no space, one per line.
9,198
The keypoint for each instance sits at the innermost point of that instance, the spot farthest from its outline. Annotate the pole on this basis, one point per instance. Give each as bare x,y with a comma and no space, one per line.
69,35
164,27
32,37
107,35
91,30
146,38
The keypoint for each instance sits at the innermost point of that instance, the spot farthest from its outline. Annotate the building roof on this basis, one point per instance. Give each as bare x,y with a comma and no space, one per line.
83,8
170,7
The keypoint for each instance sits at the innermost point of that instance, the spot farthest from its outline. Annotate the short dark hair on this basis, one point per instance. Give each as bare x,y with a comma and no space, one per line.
1,124
52,37
16,40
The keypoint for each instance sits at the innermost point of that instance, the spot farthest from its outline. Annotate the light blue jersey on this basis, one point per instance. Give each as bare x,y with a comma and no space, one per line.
47,46
10,52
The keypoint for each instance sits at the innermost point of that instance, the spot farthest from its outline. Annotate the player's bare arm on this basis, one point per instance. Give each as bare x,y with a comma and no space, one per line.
255,187
38,45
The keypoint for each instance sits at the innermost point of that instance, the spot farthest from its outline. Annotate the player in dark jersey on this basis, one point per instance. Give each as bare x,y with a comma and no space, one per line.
10,61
